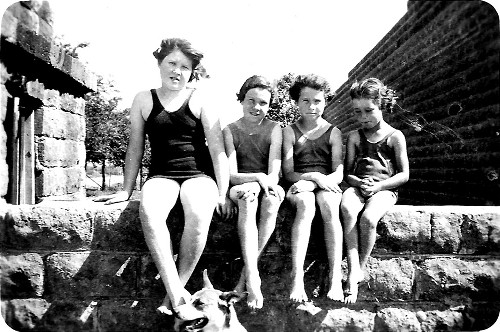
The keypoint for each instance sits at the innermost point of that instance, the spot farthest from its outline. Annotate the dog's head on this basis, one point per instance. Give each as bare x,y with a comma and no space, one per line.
209,310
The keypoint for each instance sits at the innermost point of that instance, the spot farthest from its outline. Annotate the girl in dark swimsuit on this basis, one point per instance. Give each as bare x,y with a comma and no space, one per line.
188,163
376,163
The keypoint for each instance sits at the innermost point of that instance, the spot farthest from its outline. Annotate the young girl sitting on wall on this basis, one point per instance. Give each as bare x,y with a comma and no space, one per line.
312,163
253,145
376,163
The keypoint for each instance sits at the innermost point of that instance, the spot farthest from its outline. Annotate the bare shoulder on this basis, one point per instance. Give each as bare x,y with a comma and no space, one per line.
197,102
396,138
353,136
142,104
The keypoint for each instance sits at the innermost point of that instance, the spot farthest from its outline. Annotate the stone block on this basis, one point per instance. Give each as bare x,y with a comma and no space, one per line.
454,280
25,314
117,227
58,181
446,231
60,153
388,279
22,275
346,319
480,230
51,98
55,227
440,320
91,274
405,229
395,320
53,122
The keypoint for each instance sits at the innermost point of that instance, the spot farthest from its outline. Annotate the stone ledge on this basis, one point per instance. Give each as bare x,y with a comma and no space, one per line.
463,230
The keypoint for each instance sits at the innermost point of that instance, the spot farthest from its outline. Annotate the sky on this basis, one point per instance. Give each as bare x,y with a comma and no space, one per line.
239,38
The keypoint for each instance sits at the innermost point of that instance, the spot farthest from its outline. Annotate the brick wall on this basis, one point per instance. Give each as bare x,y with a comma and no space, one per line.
442,58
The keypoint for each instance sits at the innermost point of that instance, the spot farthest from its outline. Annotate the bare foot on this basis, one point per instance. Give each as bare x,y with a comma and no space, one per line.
166,306
336,293
352,283
298,293
351,292
255,300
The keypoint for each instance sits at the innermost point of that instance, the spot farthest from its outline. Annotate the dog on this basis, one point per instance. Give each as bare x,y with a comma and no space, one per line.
210,310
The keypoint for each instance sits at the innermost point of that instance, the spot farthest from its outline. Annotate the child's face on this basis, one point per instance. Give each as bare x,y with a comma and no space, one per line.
366,112
256,104
175,70
311,103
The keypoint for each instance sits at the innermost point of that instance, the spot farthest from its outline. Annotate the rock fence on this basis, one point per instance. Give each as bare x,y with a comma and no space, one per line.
84,266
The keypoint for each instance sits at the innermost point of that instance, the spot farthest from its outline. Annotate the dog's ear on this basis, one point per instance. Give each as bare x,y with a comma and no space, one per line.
229,298
206,281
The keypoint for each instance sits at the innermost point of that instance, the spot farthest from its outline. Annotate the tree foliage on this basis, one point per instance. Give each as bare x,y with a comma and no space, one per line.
107,129
283,108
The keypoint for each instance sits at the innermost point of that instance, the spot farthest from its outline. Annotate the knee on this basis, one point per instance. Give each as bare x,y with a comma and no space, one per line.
270,203
367,222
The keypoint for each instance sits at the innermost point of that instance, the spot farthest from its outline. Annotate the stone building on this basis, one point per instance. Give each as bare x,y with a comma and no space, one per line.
42,149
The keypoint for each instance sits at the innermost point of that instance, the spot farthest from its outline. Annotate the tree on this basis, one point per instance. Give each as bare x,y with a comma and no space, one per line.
283,108
107,128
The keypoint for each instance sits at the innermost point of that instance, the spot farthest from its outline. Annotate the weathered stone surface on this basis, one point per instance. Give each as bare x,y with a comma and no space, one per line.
480,231
58,226
345,319
396,319
440,320
53,122
60,153
452,279
60,181
446,232
25,314
117,227
405,229
21,275
390,279
88,274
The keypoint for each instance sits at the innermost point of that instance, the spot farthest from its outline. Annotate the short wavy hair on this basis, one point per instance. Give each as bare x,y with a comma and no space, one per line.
253,82
373,88
168,45
308,81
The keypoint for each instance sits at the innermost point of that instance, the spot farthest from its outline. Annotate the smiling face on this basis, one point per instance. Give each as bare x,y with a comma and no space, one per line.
175,70
367,113
311,103
256,104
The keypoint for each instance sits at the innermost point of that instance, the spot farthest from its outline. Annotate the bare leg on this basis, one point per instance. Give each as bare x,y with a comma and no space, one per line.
199,198
375,208
158,196
305,204
351,205
248,234
329,203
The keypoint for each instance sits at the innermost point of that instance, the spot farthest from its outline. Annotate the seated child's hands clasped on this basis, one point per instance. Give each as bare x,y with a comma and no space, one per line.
369,187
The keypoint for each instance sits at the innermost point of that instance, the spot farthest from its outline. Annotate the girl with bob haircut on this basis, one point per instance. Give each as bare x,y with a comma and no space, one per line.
188,163
253,144
312,164
376,164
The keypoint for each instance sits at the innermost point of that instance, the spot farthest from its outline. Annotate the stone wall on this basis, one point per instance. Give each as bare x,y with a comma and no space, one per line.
84,266
442,58
42,81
